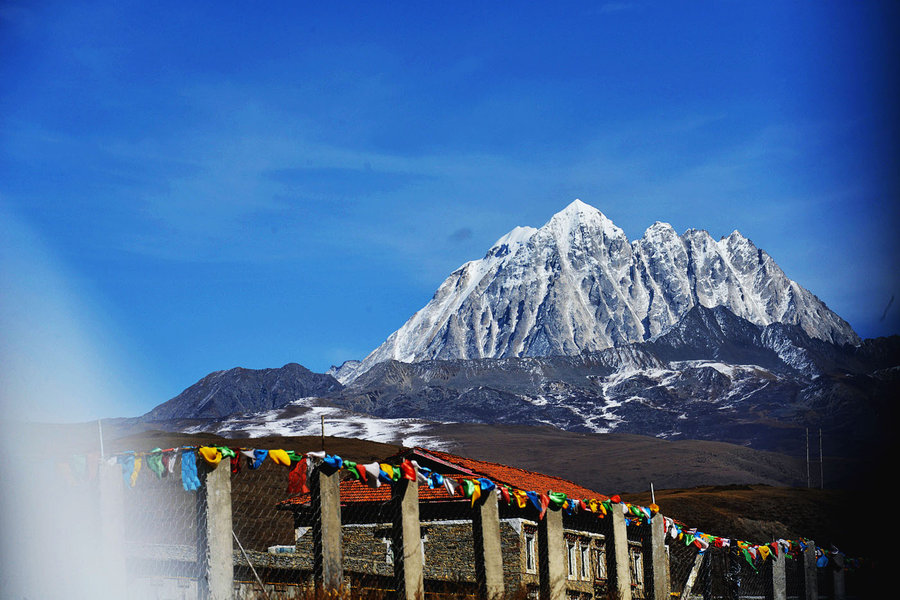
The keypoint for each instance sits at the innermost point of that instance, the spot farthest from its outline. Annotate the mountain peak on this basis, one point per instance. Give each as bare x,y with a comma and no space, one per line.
239,390
578,284
579,211
736,236
578,206
578,214
658,229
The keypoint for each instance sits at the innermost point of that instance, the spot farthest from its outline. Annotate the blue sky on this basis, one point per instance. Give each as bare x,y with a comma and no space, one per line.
188,187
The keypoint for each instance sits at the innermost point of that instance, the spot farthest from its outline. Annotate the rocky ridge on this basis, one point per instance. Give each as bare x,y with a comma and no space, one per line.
578,284
240,390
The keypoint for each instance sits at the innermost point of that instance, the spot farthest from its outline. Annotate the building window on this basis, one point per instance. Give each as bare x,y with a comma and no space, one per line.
388,551
530,552
600,561
571,547
585,556
637,568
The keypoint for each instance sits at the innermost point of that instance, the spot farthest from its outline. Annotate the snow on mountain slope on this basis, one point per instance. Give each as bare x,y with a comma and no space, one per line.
304,417
578,284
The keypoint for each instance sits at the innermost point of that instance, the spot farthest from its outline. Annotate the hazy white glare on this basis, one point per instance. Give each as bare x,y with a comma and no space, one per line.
58,360
58,363
52,533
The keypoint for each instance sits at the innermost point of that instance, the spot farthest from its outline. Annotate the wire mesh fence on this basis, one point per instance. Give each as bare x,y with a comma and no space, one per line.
794,575
684,566
310,527
371,550
267,551
162,555
726,574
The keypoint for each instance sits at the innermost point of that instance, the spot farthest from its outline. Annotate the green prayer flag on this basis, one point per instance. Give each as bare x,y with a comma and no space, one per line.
350,466
154,462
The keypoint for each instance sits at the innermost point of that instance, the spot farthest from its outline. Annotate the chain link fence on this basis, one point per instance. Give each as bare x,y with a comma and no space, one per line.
684,566
269,551
278,527
370,548
161,527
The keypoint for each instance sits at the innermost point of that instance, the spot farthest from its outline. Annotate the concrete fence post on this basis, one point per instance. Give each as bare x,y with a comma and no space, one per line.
694,574
112,528
656,567
325,495
552,556
488,552
618,556
215,575
409,556
776,579
840,590
810,576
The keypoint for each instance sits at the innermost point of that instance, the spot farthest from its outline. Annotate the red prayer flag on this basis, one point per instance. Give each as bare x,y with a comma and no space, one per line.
297,478
408,470
545,502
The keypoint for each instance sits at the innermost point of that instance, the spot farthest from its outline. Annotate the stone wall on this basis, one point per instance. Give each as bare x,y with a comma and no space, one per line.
449,550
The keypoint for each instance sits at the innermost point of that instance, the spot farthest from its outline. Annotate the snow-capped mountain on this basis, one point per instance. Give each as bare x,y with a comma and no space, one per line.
713,376
573,326
578,284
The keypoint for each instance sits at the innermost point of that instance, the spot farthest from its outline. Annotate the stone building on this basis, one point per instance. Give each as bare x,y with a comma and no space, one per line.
447,532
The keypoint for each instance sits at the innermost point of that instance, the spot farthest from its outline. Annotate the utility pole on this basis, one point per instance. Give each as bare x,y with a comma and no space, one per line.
100,430
807,458
821,463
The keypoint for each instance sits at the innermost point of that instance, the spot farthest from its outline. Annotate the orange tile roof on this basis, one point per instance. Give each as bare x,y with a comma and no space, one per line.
353,491
515,477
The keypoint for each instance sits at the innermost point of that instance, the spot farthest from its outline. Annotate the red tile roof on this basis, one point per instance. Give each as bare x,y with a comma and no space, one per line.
514,477
353,491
